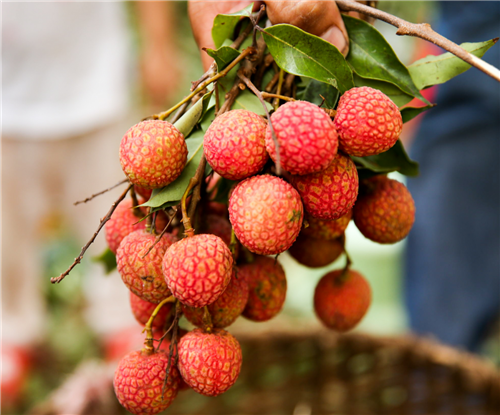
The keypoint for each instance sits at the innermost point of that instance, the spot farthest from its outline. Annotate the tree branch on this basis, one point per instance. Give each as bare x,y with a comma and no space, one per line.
88,199
423,31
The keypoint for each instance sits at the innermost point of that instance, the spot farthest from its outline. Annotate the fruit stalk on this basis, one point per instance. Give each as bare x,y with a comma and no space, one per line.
148,341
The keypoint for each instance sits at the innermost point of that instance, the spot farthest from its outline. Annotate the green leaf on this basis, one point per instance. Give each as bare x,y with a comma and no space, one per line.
107,259
314,92
434,70
397,96
171,195
187,122
223,56
372,57
248,101
394,159
303,54
224,24
408,113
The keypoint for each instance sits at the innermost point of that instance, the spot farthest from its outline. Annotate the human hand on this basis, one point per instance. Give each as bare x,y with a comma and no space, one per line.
321,18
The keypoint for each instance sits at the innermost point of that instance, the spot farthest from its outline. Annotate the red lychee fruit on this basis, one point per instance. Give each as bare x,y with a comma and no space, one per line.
139,381
367,122
142,310
143,192
326,229
198,269
234,144
227,308
316,253
306,136
209,363
144,276
267,288
385,210
153,153
216,225
330,193
266,213
341,301
122,222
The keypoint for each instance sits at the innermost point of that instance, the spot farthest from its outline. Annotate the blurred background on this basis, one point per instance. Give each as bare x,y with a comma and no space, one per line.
75,77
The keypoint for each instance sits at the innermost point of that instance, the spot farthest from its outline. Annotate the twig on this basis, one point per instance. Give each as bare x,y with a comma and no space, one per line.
195,180
267,61
196,197
266,95
180,112
217,99
423,31
162,232
252,87
148,328
173,346
278,91
270,86
207,320
78,259
88,199
138,213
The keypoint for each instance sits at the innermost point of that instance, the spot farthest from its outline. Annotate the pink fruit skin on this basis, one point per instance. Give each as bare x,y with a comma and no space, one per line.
153,153
144,276
266,213
139,380
122,222
367,122
198,269
331,193
326,229
227,308
267,288
142,310
234,144
209,363
306,136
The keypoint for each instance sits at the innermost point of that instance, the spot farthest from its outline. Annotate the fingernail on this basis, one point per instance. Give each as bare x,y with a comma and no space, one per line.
335,36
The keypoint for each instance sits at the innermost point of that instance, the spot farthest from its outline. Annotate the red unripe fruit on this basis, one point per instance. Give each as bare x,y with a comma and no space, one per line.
143,274
209,363
139,381
306,136
267,288
326,229
367,122
385,210
316,253
330,193
153,153
198,269
227,308
143,192
340,302
142,310
266,213
122,222
234,144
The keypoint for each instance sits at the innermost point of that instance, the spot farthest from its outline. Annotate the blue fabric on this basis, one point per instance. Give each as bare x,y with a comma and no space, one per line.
452,284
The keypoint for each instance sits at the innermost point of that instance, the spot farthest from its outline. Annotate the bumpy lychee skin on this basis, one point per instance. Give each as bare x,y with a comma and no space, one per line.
306,135
367,122
316,253
341,302
139,379
142,310
267,288
266,213
326,229
234,144
122,222
198,269
385,210
209,363
144,276
330,193
227,308
145,193
153,153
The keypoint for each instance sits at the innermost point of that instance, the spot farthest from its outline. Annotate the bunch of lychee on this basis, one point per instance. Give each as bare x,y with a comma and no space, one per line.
225,271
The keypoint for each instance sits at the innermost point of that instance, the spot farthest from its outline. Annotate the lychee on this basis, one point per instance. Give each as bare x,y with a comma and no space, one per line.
326,229
385,210
142,310
122,222
227,308
306,136
330,193
216,225
209,363
143,274
139,380
266,213
316,253
234,144
267,288
143,192
341,300
198,269
367,122
153,153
